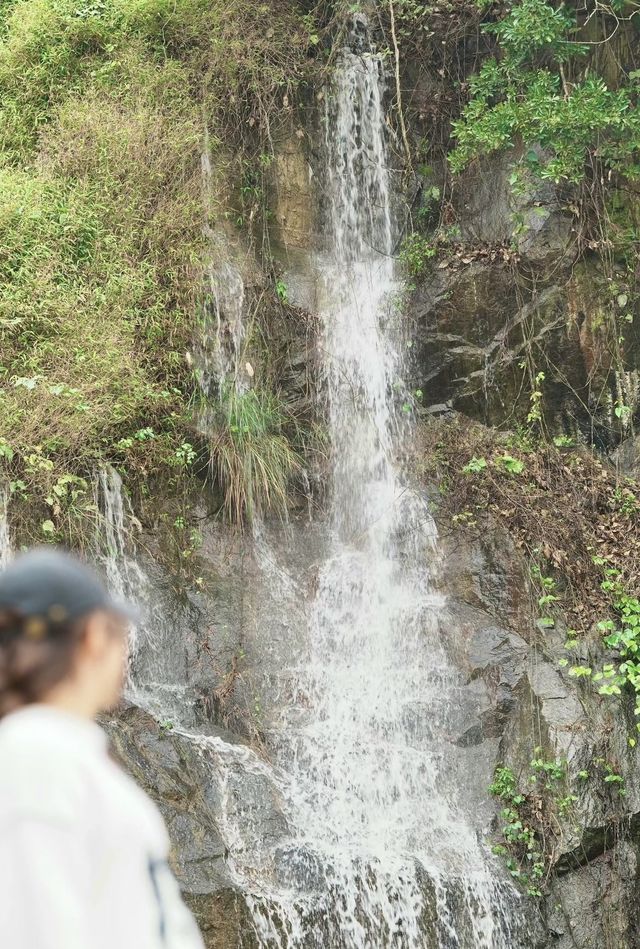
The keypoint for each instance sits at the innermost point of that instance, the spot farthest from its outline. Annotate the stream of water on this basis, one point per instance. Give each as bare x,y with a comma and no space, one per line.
112,543
378,852
5,540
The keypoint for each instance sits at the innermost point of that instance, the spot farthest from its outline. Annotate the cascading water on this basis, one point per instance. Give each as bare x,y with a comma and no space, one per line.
5,539
376,851
380,854
124,577
155,680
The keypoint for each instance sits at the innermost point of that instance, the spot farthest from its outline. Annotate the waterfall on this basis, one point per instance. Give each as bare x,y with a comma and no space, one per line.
5,538
380,853
125,578
222,329
374,849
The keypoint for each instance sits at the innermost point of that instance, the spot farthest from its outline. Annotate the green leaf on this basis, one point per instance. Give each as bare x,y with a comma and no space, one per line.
475,466
510,464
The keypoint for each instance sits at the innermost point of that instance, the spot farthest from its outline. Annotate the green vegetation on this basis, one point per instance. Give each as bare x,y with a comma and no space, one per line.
416,252
536,806
531,818
534,92
251,454
622,637
103,108
575,521
506,463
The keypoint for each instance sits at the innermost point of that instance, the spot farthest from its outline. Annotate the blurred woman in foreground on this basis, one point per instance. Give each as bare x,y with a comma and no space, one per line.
83,851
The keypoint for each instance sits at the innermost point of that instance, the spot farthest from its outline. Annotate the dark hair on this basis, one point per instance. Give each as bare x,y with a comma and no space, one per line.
34,658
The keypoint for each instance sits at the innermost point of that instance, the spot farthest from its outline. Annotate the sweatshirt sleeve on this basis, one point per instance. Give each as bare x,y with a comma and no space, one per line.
45,875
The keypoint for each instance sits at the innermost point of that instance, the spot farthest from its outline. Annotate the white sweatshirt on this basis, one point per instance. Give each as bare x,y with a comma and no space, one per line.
83,851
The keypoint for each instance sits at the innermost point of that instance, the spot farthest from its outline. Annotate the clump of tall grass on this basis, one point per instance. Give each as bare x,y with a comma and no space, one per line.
252,457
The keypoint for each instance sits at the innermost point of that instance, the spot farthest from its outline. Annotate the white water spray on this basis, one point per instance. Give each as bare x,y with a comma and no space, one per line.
5,538
222,329
125,578
380,853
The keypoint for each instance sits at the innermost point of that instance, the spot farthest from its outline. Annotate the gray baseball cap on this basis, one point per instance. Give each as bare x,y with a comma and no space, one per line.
55,588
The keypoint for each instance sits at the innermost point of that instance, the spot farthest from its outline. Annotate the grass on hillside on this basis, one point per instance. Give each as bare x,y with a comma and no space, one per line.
103,105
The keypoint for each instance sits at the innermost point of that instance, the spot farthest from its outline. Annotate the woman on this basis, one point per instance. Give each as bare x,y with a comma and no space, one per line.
83,852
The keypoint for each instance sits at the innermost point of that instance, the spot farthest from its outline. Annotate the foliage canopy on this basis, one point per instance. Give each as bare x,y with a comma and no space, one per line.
522,95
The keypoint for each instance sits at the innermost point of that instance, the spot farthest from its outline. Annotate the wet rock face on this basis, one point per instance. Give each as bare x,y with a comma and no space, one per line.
523,702
627,457
510,301
510,697
529,213
172,773
180,776
208,666
291,195
476,325
595,906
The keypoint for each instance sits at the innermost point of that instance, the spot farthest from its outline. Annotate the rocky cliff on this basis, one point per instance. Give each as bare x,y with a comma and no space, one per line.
519,319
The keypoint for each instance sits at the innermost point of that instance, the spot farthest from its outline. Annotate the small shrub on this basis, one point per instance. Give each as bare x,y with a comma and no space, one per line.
475,466
251,455
415,253
530,827
511,465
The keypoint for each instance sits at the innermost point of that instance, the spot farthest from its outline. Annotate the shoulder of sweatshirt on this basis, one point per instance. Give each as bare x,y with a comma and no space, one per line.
55,768
40,777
